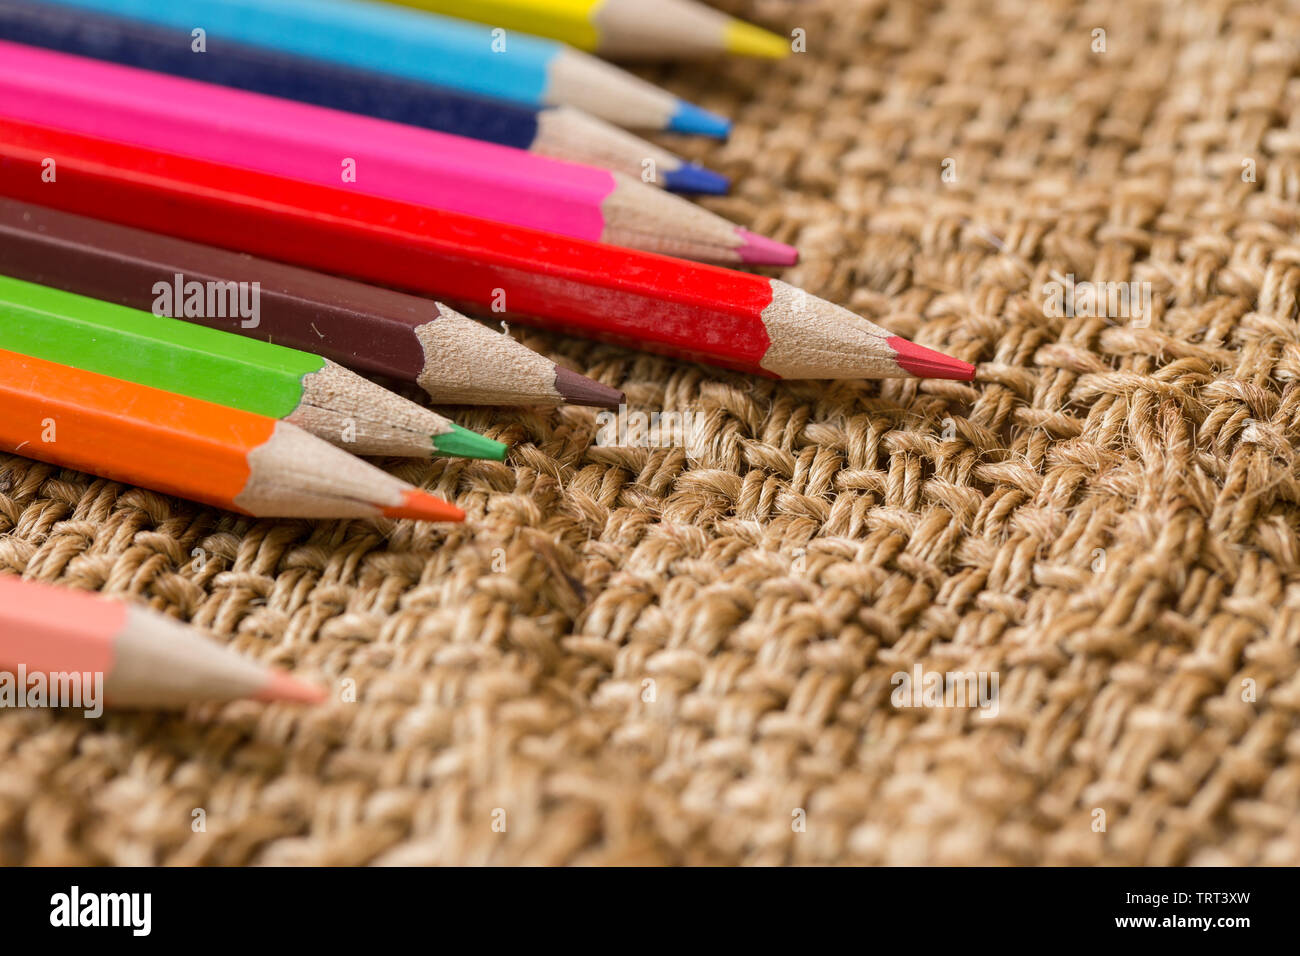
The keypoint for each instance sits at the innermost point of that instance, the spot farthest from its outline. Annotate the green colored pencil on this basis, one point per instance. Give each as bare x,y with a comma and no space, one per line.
254,376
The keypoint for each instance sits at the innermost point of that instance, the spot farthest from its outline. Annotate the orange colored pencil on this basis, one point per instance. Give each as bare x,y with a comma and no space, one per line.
65,648
220,456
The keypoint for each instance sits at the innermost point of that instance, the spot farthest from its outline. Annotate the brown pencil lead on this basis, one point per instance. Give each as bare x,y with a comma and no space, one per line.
580,390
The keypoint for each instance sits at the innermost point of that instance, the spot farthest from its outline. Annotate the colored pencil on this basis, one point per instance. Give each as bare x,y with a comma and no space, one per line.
378,331
184,446
703,313
621,28
330,147
438,50
558,132
306,390
87,643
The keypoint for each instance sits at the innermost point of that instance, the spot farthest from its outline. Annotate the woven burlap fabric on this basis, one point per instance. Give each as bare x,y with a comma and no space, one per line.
629,656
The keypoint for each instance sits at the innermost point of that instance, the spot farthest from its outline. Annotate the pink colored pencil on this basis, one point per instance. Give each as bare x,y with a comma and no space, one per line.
60,642
335,148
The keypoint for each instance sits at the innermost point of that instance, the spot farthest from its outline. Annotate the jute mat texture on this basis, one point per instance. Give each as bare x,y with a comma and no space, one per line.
629,656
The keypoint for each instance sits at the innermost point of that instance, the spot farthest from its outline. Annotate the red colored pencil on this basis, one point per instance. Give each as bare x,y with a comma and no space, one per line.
703,313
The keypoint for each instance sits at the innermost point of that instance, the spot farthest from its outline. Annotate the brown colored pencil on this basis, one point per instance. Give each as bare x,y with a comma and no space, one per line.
371,329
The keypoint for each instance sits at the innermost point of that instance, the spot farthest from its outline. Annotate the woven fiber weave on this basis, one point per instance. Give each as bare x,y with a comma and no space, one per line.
629,655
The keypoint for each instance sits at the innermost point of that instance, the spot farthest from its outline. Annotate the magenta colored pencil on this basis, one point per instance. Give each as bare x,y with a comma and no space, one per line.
373,156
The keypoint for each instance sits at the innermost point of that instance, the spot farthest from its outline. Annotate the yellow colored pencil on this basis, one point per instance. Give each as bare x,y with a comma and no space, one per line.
621,28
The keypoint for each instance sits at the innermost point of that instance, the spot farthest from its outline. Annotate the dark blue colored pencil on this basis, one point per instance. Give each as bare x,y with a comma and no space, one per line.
560,133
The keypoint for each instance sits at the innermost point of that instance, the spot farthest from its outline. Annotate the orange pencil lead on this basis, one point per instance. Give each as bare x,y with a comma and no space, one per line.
423,506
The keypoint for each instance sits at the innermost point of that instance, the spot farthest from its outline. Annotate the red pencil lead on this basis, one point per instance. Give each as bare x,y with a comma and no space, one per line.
927,363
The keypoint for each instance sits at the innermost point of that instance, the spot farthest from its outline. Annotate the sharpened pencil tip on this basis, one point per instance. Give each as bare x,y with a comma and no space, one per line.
745,39
689,118
579,390
927,363
282,686
463,443
422,506
690,178
756,250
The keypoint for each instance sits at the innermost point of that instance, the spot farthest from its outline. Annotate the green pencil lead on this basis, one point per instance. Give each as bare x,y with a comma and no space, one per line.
463,443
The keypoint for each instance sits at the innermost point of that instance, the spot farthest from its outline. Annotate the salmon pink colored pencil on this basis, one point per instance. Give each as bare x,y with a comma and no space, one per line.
60,647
